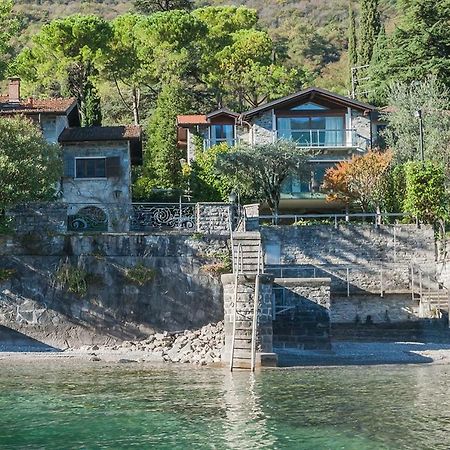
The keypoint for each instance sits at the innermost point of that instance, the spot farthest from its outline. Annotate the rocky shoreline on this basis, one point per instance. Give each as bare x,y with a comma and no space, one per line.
202,347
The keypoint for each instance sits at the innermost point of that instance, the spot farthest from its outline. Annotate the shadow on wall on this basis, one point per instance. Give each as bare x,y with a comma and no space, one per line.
300,322
13,341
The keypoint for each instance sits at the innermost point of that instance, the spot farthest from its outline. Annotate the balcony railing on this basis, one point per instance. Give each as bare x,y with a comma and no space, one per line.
332,138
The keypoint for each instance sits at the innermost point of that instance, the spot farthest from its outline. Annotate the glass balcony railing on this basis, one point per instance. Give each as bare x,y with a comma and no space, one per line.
321,138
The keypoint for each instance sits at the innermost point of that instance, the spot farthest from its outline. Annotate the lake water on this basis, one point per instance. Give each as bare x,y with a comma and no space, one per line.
68,405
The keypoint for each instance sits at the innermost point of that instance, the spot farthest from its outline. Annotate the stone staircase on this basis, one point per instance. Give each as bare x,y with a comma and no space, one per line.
250,242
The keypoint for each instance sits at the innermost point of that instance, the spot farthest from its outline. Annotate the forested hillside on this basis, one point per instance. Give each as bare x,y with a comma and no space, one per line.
312,33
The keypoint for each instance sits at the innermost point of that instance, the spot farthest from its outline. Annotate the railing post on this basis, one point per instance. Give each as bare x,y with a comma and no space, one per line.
381,281
348,281
335,221
412,282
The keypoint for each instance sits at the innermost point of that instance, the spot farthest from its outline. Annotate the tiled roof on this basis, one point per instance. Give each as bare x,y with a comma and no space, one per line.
37,106
87,134
192,119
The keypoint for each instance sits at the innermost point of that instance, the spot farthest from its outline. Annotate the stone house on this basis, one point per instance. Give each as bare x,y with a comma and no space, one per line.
96,183
332,126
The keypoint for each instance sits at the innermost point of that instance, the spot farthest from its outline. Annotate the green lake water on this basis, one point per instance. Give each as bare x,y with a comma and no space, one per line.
68,405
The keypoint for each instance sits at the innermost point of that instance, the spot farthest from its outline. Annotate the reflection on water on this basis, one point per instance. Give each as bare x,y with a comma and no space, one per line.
66,405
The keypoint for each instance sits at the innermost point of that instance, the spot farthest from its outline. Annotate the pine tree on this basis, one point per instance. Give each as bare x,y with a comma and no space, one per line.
369,27
378,69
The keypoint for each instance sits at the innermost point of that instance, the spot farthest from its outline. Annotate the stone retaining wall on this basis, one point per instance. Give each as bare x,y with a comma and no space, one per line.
176,285
39,217
214,217
392,308
305,323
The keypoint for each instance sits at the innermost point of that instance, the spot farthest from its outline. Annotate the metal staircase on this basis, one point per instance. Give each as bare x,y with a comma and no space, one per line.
247,261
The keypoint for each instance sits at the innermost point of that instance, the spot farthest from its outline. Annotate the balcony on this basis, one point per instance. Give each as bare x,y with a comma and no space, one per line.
324,138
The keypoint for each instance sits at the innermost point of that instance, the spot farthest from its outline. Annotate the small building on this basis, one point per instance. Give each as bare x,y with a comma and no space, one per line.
52,114
332,126
96,183
97,175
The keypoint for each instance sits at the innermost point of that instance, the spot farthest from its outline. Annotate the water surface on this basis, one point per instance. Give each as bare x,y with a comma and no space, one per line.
69,405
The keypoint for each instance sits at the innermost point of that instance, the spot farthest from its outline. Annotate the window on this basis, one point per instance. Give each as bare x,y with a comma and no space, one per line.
90,167
222,133
313,131
308,107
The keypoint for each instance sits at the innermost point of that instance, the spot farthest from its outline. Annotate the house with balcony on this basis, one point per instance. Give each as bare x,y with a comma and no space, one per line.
331,126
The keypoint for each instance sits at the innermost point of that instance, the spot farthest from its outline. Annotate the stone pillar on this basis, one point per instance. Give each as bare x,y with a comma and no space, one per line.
244,319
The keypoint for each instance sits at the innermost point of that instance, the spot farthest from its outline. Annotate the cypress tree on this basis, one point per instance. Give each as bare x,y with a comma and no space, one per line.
369,27
352,49
162,156
91,113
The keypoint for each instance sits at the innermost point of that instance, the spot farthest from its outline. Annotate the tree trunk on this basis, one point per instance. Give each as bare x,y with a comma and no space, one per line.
136,101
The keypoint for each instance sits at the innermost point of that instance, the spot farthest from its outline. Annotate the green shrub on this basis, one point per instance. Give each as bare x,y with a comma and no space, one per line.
72,278
6,274
140,275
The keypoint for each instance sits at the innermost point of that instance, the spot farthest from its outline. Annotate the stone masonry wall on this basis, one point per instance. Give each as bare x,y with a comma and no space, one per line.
392,308
263,128
134,283
214,217
246,289
305,322
45,217
376,258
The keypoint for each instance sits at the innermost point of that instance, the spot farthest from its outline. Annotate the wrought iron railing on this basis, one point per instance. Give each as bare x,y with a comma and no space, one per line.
146,216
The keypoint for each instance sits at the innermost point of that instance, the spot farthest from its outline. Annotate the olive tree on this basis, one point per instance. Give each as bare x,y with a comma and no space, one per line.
264,168
29,166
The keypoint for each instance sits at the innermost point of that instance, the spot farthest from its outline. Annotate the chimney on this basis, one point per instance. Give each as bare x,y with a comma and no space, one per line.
14,90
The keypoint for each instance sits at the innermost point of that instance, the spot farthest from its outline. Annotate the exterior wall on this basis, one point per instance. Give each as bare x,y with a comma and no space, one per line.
53,126
361,123
45,217
392,308
214,217
245,299
181,294
357,258
113,194
353,244
306,324
262,128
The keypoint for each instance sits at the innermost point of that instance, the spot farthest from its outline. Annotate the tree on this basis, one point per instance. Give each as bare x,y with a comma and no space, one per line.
68,50
402,133
152,6
206,183
426,196
29,166
91,111
8,25
418,47
369,27
246,71
361,180
264,168
352,44
162,156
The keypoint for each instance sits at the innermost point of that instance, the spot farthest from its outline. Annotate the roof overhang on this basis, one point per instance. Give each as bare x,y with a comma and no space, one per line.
308,95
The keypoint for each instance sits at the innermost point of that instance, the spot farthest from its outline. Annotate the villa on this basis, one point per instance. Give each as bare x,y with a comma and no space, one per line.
332,126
